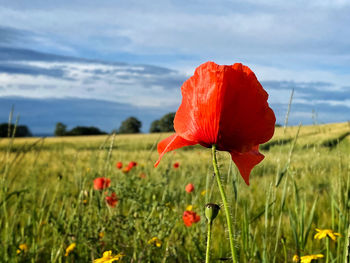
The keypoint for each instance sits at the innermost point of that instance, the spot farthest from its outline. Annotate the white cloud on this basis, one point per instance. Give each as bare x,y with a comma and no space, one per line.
135,85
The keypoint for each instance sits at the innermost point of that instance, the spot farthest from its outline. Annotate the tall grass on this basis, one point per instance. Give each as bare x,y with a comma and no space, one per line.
48,201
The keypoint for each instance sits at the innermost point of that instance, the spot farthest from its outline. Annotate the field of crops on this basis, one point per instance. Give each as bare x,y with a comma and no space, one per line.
51,212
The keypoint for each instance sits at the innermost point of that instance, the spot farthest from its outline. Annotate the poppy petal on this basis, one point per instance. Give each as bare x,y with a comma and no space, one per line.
246,119
171,143
246,161
198,116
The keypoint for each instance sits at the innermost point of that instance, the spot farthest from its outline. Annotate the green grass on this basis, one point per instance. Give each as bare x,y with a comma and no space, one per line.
47,200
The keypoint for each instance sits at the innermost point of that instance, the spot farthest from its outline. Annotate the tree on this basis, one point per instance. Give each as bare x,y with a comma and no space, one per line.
165,124
82,130
130,125
21,130
60,129
155,127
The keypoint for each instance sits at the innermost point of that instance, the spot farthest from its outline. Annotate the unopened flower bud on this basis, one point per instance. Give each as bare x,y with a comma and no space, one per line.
211,211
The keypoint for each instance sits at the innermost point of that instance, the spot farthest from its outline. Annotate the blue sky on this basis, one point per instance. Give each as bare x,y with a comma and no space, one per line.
96,63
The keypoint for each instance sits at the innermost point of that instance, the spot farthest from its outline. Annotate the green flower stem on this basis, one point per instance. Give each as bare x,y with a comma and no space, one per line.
224,201
207,255
327,252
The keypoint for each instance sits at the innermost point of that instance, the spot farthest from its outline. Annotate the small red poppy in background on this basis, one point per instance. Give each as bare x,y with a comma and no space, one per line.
119,165
132,164
101,183
189,188
143,175
176,165
190,217
112,200
224,106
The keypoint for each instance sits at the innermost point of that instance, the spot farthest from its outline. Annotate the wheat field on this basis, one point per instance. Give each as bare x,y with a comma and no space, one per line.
48,202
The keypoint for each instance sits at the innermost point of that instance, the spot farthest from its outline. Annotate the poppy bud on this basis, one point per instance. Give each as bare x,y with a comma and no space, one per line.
211,211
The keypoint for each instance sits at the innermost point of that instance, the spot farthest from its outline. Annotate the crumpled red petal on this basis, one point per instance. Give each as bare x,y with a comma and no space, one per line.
198,116
246,161
246,118
226,106
171,143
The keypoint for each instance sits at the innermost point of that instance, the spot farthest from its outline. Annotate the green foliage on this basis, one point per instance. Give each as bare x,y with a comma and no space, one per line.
130,125
165,124
154,127
60,129
81,130
21,130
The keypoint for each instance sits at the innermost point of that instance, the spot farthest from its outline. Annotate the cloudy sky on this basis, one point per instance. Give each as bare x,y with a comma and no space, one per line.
98,62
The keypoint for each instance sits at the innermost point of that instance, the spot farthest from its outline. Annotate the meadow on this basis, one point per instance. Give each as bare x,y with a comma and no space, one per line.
48,201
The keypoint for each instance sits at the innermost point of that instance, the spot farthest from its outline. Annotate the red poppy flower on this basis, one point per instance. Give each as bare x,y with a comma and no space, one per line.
190,217
112,200
132,164
101,183
142,175
127,169
224,106
189,188
119,165
176,165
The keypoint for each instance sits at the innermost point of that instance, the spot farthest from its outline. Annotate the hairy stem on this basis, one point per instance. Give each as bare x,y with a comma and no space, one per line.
224,201
207,255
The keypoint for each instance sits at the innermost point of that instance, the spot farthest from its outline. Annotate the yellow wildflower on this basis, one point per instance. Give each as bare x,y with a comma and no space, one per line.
189,207
203,192
296,258
307,259
69,249
310,258
22,248
155,241
108,257
322,233
101,235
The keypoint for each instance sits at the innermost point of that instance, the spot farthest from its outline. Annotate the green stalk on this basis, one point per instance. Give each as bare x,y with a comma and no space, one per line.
224,201
284,250
207,255
327,253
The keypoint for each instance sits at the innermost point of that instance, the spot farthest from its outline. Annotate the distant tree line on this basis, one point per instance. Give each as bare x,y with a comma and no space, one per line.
128,126
20,130
61,130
